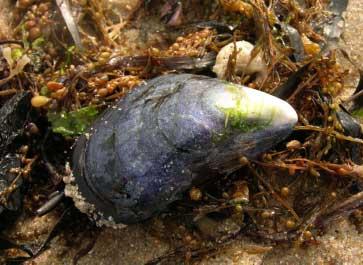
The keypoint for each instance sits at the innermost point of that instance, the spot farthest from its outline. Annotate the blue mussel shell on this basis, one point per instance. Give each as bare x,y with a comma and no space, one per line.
168,133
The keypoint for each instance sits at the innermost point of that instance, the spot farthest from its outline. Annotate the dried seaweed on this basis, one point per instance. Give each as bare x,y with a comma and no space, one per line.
295,190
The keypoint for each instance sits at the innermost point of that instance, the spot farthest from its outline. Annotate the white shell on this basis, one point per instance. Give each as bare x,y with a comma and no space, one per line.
243,60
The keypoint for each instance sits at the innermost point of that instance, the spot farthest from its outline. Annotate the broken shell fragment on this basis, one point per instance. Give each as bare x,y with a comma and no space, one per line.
166,135
245,63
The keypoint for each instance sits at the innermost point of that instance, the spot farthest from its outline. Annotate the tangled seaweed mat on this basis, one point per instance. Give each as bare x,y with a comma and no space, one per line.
342,244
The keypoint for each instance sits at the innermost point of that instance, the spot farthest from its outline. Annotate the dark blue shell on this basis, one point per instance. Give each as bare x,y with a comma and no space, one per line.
144,152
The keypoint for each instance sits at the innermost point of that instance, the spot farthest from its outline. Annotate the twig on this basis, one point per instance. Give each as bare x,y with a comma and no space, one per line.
2,42
8,92
274,194
343,209
329,132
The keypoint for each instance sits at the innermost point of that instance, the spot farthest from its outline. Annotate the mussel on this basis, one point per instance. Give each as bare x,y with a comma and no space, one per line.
164,136
14,114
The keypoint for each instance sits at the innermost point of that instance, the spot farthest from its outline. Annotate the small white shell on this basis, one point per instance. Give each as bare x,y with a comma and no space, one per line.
244,64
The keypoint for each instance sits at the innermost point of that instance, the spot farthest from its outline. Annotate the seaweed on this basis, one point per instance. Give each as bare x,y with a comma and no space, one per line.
74,122
85,59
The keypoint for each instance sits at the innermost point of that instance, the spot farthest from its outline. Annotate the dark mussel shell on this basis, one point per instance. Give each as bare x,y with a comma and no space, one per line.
13,117
149,148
